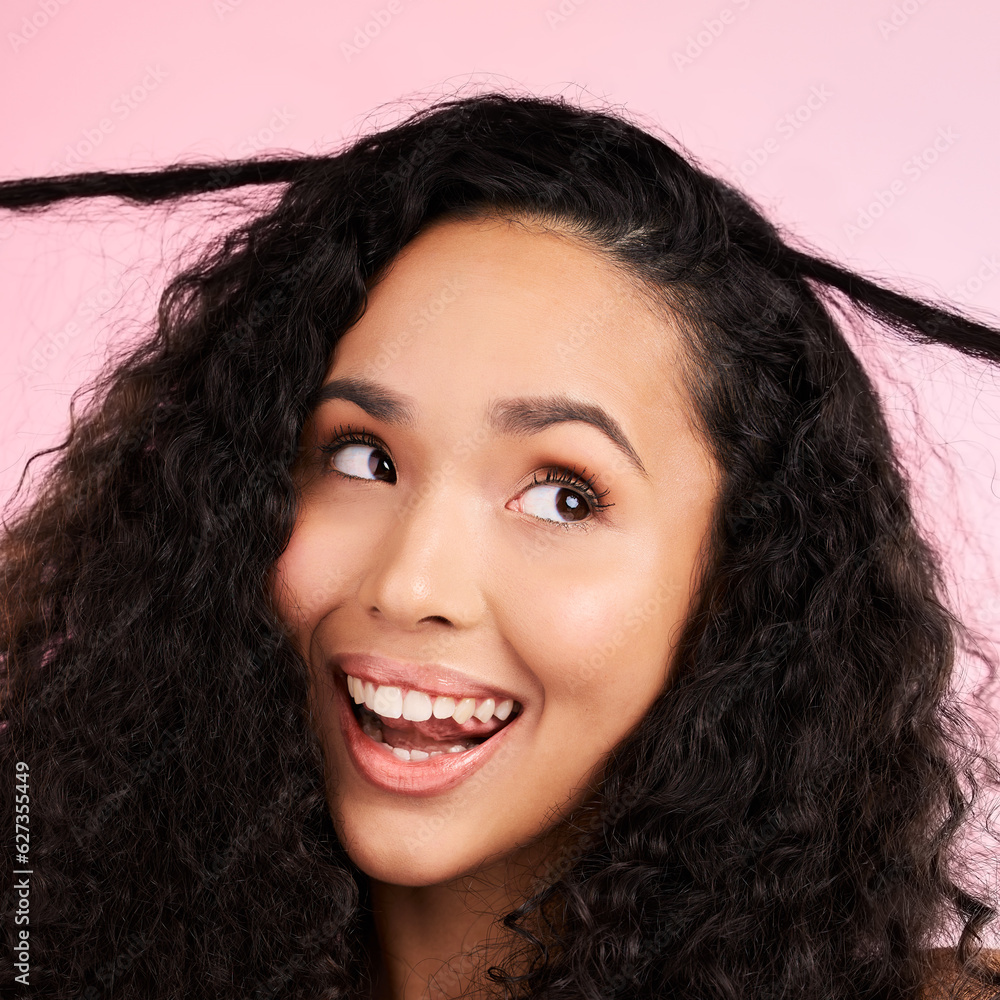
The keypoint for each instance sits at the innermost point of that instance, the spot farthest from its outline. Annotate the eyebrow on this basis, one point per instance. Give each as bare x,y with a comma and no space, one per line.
518,416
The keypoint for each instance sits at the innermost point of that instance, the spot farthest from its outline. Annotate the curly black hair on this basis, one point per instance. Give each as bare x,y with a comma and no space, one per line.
783,822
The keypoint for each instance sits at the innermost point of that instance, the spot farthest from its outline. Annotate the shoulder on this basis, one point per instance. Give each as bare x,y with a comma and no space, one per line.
947,980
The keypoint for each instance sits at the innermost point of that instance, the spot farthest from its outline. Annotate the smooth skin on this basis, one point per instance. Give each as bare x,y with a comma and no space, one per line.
436,546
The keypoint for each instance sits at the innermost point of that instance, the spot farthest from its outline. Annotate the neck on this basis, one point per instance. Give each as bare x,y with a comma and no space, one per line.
430,942
435,942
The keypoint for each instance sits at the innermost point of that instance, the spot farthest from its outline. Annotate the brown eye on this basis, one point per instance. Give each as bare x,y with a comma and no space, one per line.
555,503
362,461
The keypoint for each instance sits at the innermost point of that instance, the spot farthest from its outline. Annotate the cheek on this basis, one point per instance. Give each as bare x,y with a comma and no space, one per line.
599,637
308,578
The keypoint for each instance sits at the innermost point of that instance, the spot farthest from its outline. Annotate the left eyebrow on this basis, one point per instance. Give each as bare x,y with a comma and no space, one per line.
522,415
531,414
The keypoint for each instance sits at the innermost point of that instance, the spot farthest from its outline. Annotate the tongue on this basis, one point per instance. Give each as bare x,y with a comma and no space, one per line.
435,734
417,741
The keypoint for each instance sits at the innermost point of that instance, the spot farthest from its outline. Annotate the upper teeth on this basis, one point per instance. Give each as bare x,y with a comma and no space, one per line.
388,701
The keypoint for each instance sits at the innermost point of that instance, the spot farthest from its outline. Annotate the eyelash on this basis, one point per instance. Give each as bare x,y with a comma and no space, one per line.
350,435
576,478
582,484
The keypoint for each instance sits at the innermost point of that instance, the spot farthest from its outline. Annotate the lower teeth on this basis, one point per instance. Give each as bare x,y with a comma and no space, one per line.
375,733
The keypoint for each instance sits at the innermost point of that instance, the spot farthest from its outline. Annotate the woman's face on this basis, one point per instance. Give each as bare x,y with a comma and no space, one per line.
432,559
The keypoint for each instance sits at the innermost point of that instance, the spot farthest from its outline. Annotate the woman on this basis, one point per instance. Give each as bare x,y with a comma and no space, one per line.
494,577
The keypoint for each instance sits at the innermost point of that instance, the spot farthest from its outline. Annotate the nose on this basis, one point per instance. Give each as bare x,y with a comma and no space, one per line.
427,564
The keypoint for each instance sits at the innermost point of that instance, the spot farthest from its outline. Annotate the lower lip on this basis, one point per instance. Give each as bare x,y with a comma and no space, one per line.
385,770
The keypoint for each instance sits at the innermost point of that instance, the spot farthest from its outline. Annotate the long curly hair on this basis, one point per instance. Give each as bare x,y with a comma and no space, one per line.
783,823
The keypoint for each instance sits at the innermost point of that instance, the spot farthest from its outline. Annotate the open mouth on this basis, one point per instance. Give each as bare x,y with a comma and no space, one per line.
416,741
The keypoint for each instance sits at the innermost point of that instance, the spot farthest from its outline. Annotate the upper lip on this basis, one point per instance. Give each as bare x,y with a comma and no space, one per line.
432,678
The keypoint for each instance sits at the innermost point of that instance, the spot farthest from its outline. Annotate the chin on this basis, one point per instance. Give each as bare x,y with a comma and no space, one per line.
384,853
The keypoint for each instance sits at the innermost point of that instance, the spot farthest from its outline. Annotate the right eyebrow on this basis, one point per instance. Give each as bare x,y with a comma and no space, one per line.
376,400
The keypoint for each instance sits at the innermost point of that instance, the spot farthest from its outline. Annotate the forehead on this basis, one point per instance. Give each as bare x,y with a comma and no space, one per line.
477,308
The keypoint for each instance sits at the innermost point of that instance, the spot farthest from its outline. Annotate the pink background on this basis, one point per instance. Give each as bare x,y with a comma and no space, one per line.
826,114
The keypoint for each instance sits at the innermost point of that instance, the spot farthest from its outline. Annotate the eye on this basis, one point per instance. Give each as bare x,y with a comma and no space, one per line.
358,455
362,461
545,501
563,497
